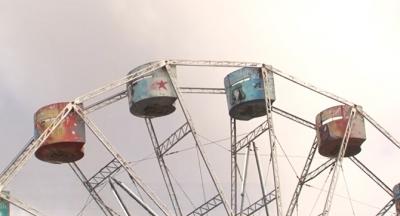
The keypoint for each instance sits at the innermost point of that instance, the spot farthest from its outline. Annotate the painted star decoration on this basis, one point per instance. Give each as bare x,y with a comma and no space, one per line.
162,84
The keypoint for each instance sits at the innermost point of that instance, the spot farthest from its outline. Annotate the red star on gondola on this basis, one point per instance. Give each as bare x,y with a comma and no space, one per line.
161,85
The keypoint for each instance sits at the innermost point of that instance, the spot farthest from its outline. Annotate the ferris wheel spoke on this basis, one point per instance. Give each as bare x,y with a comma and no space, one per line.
370,174
303,177
207,164
96,131
20,204
92,191
163,167
339,158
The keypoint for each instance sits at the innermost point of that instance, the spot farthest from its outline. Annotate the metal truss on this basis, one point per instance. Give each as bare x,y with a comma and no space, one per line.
386,208
200,148
20,204
304,174
172,140
163,168
338,162
101,137
372,175
21,159
31,147
105,102
272,142
123,94
319,170
234,167
253,208
293,117
131,77
379,127
207,207
264,195
199,90
104,173
251,136
104,208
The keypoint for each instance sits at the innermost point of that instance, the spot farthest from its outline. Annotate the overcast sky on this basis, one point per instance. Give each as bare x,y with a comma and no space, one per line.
53,51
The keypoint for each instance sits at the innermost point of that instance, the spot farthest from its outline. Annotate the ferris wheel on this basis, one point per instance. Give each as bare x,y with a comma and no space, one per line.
154,92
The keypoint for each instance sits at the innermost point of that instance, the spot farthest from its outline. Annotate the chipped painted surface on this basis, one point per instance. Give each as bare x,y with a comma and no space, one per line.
65,143
331,125
153,95
245,93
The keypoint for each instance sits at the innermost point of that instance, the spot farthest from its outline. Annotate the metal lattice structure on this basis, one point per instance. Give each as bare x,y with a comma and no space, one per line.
248,143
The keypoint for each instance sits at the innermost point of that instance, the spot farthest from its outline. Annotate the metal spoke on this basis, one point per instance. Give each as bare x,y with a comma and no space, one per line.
338,163
372,175
163,168
20,204
123,162
30,149
78,172
135,197
197,142
303,177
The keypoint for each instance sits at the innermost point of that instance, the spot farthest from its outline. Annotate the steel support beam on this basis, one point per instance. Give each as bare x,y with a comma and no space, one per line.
135,197
131,77
163,168
234,166
119,198
264,195
319,170
379,127
244,181
96,197
105,102
207,207
101,137
272,142
293,117
199,90
251,136
207,63
200,148
386,208
253,208
172,140
104,173
303,176
18,203
372,175
338,163
31,147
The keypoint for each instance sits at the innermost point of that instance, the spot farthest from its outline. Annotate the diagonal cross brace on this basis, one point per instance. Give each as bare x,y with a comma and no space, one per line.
207,207
104,173
386,208
318,170
172,140
245,141
253,208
